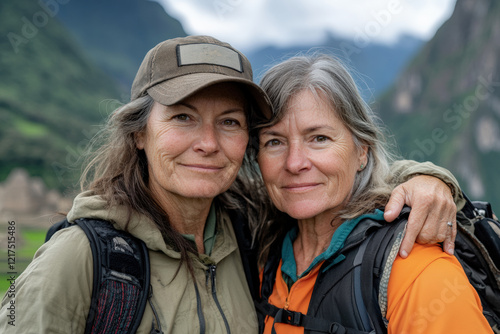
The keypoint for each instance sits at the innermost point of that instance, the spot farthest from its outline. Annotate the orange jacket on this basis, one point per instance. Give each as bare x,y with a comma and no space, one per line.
428,293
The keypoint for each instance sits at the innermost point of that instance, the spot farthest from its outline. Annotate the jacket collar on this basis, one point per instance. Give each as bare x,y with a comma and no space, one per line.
89,205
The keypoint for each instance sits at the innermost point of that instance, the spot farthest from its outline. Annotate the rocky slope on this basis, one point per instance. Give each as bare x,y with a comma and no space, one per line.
445,106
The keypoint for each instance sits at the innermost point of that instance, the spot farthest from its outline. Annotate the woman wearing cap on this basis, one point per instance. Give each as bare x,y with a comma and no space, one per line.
167,173
325,164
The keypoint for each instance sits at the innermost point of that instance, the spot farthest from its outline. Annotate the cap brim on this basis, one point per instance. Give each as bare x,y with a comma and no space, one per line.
177,89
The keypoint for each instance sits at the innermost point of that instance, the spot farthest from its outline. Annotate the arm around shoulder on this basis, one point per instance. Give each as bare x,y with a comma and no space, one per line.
403,170
53,294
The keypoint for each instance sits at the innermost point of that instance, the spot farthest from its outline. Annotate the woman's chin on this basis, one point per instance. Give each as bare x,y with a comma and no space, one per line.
305,211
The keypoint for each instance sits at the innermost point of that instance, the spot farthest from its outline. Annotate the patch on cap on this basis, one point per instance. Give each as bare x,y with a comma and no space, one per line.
211,54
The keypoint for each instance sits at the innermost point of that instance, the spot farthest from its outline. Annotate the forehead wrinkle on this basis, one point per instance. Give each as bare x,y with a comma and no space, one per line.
314,126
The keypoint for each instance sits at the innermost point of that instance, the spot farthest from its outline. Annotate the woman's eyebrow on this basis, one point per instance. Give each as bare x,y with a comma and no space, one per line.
317,128
233,110
228,111
268,132
308,130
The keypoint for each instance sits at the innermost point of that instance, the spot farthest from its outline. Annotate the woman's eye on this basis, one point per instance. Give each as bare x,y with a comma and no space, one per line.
320,138
182,117
230,122
272,142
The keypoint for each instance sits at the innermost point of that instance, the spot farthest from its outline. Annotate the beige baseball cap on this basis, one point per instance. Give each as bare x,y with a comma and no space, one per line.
180,67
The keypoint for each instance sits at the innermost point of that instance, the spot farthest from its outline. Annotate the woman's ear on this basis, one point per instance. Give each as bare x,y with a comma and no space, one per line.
363,157
139,140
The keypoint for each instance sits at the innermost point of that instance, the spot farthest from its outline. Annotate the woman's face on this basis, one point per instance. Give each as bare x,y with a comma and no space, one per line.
196,147
309,160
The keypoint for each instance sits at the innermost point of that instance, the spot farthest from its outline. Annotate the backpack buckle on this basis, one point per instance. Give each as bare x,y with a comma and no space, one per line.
336,328
292,318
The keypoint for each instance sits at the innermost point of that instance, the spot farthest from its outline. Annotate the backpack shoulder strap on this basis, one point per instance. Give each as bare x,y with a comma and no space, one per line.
56,227
381,250
248,251
121,277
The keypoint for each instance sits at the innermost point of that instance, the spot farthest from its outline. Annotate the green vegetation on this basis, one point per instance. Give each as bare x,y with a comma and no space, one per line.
116,34
50,95
30,129
30,241
61,80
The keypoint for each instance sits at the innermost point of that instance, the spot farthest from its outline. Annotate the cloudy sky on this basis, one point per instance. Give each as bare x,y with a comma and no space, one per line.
248,24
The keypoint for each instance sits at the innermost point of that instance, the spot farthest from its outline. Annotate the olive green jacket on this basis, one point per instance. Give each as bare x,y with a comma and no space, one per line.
53,294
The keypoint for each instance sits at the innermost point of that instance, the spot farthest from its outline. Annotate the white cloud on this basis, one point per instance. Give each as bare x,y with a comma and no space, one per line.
248,24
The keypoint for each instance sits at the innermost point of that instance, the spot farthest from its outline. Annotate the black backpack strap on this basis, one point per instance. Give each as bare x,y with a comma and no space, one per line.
56,227
248,251
381,250
310,323
121,277
358,285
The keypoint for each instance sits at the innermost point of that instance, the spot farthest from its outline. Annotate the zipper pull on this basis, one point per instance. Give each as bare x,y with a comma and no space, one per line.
207,277
212,275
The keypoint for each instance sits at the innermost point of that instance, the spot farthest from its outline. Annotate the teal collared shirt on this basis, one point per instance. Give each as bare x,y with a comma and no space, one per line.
289,266
209,232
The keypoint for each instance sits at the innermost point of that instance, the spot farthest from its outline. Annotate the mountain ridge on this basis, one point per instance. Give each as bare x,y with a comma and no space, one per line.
375,65
101,27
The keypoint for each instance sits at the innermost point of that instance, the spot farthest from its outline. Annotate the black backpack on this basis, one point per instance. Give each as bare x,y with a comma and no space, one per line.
477,248
122,273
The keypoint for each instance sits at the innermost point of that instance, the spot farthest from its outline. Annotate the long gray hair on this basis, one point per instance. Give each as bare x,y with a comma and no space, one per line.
326,77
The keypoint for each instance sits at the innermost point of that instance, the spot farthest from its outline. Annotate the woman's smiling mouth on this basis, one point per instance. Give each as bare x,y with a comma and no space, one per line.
301,187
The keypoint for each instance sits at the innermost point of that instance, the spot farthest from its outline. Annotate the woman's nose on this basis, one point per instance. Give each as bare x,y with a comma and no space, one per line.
297,160
207,141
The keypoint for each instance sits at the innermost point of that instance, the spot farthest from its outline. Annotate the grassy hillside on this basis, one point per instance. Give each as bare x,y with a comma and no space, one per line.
51,95
32,240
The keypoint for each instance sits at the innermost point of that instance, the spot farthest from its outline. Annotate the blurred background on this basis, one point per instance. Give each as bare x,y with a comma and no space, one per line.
429,68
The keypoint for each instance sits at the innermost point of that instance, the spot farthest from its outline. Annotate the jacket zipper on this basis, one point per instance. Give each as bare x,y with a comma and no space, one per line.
212,270
156,325
201,317
293,288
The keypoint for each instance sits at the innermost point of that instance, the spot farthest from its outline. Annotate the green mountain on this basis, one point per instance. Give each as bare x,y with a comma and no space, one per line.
445,106
51,94
64,66
116,34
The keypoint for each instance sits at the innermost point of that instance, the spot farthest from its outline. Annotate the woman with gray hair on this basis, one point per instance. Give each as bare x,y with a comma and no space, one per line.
325,165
